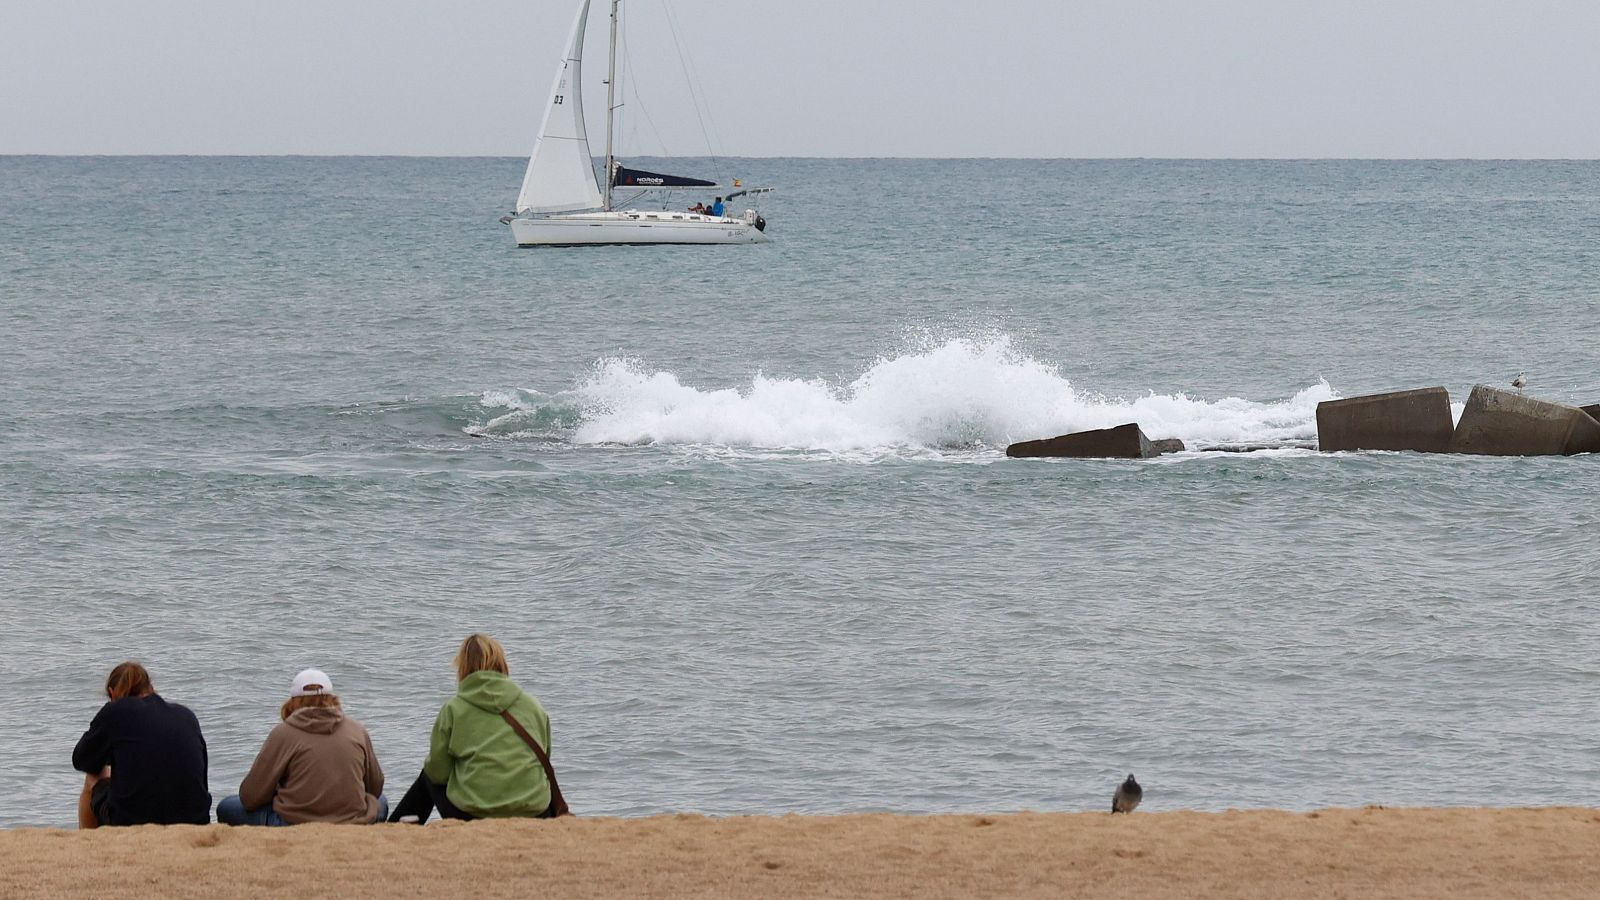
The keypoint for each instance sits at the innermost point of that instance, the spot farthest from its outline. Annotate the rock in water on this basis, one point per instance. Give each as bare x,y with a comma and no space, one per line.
1127,797
1507,423
1403,420
1121,442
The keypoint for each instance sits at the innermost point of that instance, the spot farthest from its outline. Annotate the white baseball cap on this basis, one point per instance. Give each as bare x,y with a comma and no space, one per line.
310,682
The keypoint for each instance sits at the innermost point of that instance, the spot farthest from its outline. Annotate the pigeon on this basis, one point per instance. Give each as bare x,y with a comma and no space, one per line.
1521,381
1127,797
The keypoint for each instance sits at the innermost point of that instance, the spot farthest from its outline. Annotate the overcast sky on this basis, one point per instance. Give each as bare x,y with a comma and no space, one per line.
941,78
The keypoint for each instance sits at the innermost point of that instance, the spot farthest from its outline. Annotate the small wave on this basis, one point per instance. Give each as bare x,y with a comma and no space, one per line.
528,414
961,394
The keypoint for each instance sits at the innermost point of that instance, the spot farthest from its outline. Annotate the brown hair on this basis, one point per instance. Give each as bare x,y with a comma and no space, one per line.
128,679
480,652
310,700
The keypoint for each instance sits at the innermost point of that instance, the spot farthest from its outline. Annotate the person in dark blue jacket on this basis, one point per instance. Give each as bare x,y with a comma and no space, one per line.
144,759
717,209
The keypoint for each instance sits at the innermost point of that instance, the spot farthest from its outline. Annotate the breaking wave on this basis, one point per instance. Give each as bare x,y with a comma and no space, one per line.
961,394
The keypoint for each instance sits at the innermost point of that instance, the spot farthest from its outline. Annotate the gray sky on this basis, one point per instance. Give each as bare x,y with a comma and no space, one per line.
1036,78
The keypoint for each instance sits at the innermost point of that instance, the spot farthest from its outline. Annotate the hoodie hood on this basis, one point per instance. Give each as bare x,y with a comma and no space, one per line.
491,692
316,719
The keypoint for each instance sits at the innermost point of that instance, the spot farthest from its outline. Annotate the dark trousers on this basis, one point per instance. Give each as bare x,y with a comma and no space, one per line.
423,798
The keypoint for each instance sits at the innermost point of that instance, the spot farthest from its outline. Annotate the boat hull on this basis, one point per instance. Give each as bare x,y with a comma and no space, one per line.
633,227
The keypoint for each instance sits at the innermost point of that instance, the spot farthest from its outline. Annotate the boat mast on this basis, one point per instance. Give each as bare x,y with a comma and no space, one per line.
611,102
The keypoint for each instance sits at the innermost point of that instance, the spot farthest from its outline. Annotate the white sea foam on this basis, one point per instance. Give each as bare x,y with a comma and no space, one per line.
962,393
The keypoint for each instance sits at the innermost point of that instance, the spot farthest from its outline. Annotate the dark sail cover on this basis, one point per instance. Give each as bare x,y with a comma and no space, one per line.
639,178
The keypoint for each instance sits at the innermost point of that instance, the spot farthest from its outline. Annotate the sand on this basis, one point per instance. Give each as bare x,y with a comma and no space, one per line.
1368,852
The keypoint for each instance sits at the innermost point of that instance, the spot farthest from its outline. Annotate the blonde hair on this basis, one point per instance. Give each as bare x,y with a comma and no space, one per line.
128,679
310,700
478,653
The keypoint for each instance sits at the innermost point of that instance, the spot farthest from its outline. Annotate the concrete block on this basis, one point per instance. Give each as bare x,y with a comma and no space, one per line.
1168,445
1121,442
1404,420
1585,439
1509,423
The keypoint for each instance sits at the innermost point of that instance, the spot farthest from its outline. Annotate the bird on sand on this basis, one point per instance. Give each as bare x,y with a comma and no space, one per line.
1521,381
1127,797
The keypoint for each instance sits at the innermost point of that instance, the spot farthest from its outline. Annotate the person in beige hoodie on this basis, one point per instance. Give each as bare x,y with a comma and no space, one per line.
316,766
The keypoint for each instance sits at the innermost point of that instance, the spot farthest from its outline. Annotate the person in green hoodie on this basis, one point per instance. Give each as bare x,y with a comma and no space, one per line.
478,766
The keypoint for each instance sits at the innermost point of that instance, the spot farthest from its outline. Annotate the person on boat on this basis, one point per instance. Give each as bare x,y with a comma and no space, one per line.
478,765
699,208
317,765
717,208
144,759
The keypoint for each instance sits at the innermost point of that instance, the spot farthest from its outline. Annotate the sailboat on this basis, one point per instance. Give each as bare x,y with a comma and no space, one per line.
562,204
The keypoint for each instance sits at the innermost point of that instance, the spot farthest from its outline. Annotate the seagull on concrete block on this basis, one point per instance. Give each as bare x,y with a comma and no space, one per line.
1521,381
1127,797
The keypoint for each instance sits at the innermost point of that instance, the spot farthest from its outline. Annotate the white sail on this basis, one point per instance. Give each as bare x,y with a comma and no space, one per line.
560,175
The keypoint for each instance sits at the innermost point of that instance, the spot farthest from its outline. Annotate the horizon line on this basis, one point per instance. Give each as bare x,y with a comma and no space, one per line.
1157,158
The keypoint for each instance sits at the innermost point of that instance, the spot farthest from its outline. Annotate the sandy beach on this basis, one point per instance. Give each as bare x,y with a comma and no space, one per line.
1369,852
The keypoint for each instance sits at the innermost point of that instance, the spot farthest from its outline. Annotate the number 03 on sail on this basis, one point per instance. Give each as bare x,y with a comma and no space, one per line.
562,204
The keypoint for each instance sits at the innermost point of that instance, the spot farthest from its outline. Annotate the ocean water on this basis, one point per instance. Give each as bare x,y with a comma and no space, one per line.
742,515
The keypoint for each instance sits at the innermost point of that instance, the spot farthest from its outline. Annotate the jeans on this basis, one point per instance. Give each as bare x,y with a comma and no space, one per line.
231,811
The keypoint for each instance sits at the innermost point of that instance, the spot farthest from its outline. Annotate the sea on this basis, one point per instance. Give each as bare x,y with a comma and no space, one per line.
742,516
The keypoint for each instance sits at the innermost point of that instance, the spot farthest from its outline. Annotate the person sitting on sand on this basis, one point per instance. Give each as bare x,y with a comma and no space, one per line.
478,765
144,758
316,766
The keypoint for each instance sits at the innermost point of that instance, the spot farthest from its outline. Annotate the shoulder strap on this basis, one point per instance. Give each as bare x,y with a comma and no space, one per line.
558,804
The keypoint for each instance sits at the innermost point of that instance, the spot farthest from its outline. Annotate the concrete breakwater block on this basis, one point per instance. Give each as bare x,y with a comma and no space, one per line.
1122,442
1402,420
1167,445
1509,423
